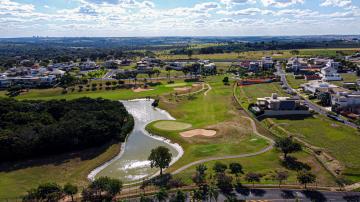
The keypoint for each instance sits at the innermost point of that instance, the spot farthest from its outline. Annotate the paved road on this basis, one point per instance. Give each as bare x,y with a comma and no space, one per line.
287,195
307,102
293,195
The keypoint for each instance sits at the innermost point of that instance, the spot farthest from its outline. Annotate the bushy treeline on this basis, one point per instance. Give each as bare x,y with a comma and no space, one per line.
271,45
35,128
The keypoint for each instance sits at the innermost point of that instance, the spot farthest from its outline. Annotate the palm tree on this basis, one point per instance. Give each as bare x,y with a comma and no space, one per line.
162,195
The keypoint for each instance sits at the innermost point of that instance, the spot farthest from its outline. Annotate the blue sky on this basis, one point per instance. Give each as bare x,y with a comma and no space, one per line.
19,18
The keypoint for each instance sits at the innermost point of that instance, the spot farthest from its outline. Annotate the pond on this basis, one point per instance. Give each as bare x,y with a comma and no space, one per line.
131,164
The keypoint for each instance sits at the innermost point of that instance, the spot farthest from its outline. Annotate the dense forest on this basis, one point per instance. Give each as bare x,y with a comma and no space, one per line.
36,128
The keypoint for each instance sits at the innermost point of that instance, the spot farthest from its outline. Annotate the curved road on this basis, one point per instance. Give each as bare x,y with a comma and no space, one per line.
311,105
253,125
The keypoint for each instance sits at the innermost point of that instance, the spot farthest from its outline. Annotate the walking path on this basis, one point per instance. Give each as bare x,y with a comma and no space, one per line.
208,90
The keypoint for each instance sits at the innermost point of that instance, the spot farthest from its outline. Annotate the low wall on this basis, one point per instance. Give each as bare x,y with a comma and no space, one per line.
285,112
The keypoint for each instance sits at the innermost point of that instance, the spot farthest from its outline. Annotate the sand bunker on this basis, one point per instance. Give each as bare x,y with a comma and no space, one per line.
198,132
182,89
138,90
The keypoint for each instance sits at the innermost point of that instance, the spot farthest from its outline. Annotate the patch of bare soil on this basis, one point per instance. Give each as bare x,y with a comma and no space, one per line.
139,90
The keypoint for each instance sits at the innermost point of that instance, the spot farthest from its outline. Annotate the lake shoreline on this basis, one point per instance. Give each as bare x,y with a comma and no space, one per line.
91,176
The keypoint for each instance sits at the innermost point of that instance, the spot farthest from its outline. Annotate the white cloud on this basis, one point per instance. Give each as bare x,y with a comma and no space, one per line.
230,3
337,3
281,3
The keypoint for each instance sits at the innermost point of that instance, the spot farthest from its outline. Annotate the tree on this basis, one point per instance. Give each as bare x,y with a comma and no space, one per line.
200,175
219,167
145,199
295,52
162,195
226,80
236,168
160,157
168,69
103,187
180,196
67,80
325,98
306,177
287,146
190,53
14,91
224,183
45,192
281,176
70,190
213,193
253,177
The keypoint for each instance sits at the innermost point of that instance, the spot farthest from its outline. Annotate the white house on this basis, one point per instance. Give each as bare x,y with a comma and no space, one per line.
329,72
317,86
349,101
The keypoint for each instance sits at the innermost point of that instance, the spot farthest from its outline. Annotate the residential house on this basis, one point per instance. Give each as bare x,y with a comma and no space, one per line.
267,63
346,101
329,72
280,106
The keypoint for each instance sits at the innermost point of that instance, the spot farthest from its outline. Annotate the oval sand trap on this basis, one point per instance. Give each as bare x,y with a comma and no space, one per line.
198,132
172,125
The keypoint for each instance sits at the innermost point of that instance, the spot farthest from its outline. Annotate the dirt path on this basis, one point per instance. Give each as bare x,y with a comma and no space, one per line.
254,128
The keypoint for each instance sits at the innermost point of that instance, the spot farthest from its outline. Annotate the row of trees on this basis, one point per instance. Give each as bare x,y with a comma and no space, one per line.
35,128
209,186
101,189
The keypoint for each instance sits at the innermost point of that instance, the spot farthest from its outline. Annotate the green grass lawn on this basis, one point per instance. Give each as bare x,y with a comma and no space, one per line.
277,54
62,169
294,83
249,94
347,77
171,125
266,164
339,140
118,94
214,111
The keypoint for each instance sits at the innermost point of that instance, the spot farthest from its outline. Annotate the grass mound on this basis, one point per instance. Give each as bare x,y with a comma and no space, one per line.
172,125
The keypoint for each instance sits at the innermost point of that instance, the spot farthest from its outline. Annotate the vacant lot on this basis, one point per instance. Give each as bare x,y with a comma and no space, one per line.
337,139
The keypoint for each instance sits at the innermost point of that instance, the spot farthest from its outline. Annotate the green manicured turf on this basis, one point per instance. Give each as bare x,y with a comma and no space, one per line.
171,125
216,111
72,168
266,164
118,94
